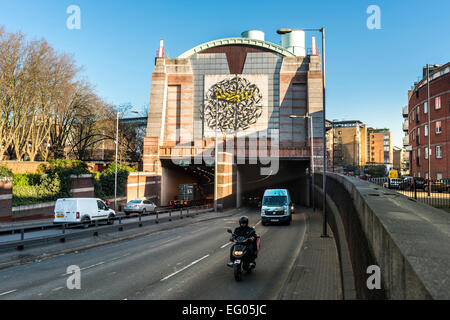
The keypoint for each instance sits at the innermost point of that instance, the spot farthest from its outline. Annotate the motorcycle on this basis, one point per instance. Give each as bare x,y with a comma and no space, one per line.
241,255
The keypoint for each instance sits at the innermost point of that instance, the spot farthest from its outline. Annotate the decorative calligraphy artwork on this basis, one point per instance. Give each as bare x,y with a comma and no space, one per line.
233,104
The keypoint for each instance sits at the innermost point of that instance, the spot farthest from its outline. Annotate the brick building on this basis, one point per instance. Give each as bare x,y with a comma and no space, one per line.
380,147
349,143
416,124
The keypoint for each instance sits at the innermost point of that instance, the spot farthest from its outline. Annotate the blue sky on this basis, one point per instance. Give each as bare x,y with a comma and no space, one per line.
368,71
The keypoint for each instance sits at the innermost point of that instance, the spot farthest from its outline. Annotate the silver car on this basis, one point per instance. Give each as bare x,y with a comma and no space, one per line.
139,206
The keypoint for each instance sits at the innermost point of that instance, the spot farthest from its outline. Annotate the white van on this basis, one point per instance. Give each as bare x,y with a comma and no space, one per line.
82,210
276,207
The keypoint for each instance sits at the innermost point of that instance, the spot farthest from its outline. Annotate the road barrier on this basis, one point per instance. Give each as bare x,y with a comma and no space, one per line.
95,231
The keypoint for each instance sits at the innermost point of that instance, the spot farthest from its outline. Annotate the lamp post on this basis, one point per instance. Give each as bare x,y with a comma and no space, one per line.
115,161
311,132
322,31
429,130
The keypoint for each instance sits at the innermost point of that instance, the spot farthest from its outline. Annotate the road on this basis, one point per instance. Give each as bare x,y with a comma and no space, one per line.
183,263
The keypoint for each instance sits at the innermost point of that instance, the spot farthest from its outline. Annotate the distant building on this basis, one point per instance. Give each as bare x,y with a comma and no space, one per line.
349,143
416,124
379,147
401,160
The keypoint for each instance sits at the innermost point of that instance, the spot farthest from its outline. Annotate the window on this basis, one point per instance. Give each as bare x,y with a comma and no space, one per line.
426,130
425,107
418,113
437,103
438,152
386,148
426,153
439,176
101,205
438,127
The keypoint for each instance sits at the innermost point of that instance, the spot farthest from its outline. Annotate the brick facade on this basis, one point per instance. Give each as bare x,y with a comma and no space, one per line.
418,120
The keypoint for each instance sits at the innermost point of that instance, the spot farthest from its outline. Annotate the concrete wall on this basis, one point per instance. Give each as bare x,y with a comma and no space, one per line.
409,241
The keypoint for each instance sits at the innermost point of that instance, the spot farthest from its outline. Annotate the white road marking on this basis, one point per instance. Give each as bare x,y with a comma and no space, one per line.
225,245
190,265
8,292
57,289
94,265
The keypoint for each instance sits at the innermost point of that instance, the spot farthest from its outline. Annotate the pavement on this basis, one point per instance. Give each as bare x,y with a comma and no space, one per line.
315,274
183,260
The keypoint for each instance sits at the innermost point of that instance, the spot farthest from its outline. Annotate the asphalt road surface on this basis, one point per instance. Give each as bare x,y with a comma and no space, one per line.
183,263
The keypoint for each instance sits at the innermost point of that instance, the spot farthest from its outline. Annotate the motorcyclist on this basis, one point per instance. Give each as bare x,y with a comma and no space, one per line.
245,231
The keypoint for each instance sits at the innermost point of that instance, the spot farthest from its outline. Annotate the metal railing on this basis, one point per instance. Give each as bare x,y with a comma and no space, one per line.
435,193
93,227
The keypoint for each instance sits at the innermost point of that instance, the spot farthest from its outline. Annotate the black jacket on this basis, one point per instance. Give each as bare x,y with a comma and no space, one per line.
245,232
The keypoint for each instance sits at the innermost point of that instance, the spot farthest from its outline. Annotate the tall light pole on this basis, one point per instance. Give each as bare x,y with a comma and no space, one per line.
115,161
324,183
429,130
216,153
311,135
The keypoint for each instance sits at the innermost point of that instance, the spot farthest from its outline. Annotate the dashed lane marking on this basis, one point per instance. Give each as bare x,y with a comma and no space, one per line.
182,269
7,292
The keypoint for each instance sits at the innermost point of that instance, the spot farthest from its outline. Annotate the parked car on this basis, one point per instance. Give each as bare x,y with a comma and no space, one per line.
82,210
139,206
442,185
408,183
395,183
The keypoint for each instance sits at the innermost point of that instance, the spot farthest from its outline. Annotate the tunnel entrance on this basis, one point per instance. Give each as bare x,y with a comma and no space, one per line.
292,175
173,175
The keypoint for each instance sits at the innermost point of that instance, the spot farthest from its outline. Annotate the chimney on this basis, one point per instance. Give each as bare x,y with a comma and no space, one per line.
161,49
313,46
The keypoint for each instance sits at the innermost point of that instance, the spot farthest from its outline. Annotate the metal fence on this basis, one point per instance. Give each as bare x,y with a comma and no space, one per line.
435,193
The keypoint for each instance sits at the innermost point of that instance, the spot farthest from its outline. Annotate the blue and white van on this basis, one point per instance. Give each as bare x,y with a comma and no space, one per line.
276,207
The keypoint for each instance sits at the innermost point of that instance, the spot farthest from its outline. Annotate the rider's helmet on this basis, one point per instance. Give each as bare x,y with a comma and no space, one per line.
243,220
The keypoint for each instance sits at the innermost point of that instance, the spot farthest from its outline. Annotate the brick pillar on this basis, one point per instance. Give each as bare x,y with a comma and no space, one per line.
82,186
5,199
152,163
144,185
225,181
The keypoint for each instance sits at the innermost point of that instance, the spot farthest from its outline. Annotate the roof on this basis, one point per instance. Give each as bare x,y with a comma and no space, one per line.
237,41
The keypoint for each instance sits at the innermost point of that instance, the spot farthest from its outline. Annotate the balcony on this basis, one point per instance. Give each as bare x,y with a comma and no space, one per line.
405,112
406,125
406,141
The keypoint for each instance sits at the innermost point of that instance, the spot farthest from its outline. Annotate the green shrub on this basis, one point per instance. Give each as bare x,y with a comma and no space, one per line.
47,190
52,182
107,180
5,172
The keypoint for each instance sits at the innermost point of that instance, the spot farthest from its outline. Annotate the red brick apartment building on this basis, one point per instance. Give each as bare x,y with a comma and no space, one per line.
416,124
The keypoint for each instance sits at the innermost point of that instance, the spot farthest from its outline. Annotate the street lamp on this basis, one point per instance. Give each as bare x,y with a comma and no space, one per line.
322,30
429,130
115,162
312,151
